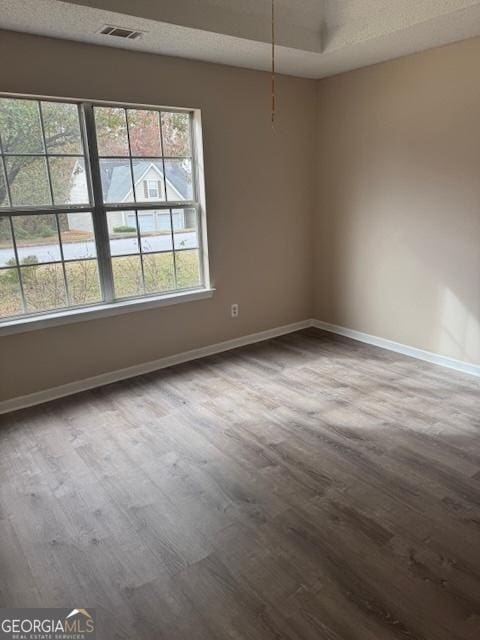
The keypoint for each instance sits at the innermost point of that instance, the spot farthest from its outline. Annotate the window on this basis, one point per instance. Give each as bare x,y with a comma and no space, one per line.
98,204
151,189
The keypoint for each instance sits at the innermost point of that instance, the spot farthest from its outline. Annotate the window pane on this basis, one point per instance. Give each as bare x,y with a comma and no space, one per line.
83,282
20,127
69,181
7,254
111,126
155,231
37,238
78,238
185,235
178,174
4,201
159,272
116,181
176,134
62,128
28,180
44,287
144,130
188,269
148,175
127,276
10,293
122,231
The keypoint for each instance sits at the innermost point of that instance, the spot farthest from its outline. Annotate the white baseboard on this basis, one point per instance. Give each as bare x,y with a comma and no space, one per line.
31,399
413,352
39,397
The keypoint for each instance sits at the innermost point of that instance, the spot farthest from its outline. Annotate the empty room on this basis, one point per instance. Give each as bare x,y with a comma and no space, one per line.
239,320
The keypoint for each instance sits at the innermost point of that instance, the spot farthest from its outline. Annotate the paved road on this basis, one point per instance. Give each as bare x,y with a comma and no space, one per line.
120,246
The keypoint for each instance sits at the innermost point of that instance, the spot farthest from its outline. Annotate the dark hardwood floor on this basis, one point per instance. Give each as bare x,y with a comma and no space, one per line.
305,488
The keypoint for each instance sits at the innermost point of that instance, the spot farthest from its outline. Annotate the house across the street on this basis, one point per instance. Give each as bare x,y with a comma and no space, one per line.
149,186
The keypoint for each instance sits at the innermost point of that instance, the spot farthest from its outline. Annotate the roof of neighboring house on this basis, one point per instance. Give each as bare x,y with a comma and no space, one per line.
117,184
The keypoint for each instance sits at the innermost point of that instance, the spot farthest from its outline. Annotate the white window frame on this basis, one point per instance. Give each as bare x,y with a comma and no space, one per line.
109,305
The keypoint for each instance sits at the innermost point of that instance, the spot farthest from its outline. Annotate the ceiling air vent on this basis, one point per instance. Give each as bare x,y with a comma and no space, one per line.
120,32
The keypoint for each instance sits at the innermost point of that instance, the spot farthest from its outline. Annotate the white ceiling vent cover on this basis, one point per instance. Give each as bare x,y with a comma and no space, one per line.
120,32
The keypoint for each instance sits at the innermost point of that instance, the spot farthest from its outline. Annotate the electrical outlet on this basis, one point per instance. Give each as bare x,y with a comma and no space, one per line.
234,310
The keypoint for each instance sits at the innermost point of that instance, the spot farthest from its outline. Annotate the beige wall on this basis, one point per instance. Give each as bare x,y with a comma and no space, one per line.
398,219
260,195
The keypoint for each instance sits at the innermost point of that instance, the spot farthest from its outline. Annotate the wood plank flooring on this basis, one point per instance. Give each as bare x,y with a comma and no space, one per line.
306,488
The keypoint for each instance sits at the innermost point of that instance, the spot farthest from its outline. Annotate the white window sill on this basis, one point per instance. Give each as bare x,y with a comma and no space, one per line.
71,316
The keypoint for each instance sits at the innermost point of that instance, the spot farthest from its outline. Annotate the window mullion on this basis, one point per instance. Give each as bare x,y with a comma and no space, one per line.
62,257
146,206
17,260
134,193
175,279
99,212
140,251
45,155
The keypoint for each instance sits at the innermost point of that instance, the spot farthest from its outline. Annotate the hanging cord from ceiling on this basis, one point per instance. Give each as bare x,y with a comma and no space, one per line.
273,63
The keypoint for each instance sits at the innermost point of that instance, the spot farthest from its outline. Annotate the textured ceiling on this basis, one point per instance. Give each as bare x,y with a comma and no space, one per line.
315,38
